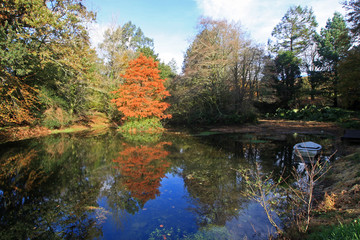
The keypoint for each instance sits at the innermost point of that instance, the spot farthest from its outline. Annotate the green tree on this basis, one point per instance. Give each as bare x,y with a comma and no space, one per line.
120,46
295,34
333,44
353,17
166,70
349,75
267,94
45,45
288,78
295,31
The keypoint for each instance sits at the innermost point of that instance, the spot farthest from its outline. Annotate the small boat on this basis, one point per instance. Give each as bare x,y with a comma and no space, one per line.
307,149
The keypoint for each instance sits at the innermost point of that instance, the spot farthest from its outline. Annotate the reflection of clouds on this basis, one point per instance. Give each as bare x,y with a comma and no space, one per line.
110,181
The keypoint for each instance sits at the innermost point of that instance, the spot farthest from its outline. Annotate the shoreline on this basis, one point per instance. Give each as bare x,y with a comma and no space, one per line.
12,134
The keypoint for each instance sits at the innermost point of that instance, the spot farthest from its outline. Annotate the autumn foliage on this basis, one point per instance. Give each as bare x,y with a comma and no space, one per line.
17,100
141,94
142,168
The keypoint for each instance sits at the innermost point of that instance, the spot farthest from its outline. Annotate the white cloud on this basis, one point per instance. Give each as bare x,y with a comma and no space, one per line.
170,46
96,32
259,17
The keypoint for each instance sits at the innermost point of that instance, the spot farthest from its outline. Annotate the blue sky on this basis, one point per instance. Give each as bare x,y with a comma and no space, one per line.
172,23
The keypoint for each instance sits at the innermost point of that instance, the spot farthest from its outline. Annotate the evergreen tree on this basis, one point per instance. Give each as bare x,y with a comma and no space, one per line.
353,17
288,78
333,44
295,31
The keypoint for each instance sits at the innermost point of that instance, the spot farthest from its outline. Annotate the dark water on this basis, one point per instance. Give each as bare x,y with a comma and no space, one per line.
170,186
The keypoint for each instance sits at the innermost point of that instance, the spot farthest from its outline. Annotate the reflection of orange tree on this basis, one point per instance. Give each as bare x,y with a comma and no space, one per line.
142,168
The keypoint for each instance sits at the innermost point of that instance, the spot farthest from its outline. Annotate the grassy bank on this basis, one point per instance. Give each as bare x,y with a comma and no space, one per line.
338,211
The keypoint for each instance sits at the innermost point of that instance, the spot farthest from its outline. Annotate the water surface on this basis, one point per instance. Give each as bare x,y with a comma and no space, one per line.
169,186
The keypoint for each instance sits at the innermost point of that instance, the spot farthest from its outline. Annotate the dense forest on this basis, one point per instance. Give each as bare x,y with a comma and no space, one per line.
50,75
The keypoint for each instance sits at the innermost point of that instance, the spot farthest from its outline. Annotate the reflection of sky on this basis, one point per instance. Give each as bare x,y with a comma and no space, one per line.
170,210
252,223
167,210
107,183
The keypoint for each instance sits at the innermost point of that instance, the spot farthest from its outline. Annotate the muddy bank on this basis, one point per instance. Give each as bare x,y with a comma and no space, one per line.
95,122
283,127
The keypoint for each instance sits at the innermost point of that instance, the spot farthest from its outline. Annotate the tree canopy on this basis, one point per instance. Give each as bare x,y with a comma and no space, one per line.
51,75
295,31
141,94
42,43
353,17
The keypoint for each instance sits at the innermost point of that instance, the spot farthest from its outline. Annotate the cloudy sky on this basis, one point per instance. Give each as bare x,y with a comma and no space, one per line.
172,23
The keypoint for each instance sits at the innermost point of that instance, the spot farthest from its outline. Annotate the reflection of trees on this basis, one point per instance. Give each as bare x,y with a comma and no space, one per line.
18,178
216,198
142,168
49,190
268,151
214,188
50,187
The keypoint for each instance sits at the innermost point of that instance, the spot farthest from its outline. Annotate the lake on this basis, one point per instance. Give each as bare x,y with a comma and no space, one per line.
176,185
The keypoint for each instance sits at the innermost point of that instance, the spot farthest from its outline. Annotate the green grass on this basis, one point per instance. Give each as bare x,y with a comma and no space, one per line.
67,130
350,231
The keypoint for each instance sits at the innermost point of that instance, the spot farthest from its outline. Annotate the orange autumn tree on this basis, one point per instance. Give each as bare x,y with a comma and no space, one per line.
141,94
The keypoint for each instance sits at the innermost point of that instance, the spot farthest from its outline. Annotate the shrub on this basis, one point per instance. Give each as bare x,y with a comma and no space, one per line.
56,118
323,114
148,125
142,130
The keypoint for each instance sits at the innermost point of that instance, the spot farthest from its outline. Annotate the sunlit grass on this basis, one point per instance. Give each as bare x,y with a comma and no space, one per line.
68,130
350,231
